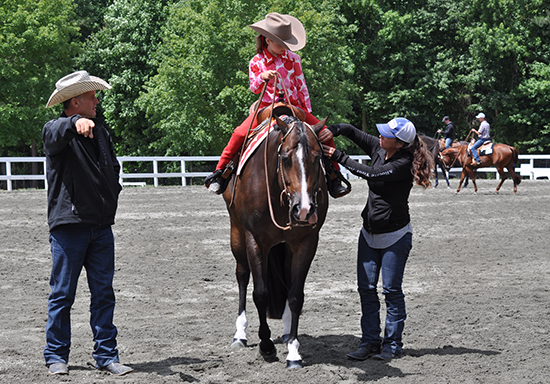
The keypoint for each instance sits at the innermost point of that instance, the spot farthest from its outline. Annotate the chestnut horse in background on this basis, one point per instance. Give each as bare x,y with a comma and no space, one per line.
504,156
277,205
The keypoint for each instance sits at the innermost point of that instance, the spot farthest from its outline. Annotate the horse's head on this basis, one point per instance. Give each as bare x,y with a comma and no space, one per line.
449,155
300,168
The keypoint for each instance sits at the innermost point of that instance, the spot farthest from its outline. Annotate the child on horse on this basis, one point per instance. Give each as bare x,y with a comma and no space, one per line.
279,36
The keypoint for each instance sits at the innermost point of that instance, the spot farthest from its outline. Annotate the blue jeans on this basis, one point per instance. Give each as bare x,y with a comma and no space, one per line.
391,262
73,248
448,142
474,148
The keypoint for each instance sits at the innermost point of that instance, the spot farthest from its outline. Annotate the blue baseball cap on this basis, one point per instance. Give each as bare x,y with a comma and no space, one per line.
399,128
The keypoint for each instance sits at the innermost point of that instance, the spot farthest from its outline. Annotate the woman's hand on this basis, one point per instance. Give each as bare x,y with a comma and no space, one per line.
328,151
325,136
268,75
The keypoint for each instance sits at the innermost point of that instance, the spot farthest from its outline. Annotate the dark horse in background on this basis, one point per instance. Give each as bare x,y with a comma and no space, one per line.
277,205
504,156
434,148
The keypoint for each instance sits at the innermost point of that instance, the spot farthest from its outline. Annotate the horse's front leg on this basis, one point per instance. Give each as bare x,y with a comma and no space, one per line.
258,267
243,277
446,174
462,176
301,263
242,273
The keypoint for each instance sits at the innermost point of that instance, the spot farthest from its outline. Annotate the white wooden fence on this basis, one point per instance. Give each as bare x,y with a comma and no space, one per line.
526,168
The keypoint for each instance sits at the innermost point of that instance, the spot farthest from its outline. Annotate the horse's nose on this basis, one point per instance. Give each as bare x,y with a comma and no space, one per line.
304,213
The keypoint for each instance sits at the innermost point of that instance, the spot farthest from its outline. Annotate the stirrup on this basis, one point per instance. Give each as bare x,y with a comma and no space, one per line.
217,181
334,181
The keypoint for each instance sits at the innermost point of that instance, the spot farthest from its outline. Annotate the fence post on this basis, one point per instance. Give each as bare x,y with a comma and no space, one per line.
155,171
45,175
8,173
183,179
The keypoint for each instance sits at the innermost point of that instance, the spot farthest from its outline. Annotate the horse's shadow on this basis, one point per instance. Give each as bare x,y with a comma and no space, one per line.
332,349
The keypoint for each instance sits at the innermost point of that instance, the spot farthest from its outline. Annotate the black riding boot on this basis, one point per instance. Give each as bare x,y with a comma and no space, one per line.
218,180
334,182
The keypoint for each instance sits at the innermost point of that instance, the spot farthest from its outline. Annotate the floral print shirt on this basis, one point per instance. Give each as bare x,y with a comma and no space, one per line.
289,66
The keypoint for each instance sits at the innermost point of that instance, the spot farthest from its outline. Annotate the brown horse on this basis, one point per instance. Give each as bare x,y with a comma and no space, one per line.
504,156
277,206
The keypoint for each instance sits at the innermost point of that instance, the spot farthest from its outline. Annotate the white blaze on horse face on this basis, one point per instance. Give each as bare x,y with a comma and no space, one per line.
304,203
293,354
241,324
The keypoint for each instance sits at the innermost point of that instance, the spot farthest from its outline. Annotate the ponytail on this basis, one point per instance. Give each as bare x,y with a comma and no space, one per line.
423,162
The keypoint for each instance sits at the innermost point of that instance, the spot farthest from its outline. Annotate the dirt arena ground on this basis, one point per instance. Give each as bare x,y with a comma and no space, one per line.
477,286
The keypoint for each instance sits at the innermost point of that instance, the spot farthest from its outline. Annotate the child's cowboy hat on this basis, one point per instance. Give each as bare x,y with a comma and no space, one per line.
74,85
285,30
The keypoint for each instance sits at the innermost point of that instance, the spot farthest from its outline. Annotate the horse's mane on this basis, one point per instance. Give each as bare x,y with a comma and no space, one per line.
300,130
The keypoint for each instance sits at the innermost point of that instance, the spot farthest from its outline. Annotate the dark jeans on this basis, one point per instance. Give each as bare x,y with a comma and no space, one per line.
391,262
73,248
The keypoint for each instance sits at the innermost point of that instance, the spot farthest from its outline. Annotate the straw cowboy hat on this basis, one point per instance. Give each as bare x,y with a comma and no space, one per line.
74,85
285,30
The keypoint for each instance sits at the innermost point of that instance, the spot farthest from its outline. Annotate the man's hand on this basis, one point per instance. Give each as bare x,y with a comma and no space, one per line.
85,127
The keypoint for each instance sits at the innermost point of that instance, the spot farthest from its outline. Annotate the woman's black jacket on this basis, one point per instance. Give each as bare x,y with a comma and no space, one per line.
390,181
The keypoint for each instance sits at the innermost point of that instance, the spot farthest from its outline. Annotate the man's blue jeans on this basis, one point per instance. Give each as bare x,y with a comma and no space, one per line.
73,248
391,262
448,142
474,148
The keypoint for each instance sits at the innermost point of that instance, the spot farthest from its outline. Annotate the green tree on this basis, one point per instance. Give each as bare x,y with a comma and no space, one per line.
201,92
121,53
37,45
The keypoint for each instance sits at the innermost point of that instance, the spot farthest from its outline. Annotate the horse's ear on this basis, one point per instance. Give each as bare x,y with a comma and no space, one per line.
320,125
281,124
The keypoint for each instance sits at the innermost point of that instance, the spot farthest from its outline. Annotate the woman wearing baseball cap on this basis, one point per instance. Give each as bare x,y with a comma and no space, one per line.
399,159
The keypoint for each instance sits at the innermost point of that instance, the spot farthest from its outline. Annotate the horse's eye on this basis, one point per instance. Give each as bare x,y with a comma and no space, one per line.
287,161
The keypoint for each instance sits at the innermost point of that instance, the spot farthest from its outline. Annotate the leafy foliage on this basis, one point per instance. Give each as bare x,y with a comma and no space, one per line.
35,49
179,69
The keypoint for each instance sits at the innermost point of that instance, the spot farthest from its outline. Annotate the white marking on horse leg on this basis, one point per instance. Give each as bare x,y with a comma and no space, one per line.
305,203
293,354
241,324
287,319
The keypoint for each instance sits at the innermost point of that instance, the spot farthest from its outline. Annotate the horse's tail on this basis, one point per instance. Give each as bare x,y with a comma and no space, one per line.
515,159
278,279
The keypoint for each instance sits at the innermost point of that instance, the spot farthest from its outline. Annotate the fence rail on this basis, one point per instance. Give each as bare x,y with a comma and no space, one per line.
527,168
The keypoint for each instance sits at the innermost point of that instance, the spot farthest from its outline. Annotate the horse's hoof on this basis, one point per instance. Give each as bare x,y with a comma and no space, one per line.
239,343
285,338
267,350
290,364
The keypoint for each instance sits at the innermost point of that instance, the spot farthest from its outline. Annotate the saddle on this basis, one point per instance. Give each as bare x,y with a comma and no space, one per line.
485,150
279,108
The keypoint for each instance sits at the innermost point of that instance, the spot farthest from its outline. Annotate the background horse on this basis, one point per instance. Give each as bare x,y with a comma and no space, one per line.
277,206
433,146
504,156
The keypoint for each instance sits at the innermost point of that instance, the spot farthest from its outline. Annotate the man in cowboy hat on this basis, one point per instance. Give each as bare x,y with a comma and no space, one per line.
83,188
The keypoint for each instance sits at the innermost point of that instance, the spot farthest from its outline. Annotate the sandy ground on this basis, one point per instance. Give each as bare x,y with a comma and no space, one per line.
477,286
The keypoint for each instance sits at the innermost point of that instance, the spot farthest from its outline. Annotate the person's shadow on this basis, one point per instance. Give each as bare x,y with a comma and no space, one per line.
332,349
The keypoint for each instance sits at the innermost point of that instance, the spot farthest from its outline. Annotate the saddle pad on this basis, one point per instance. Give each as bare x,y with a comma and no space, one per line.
254,143
484,150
